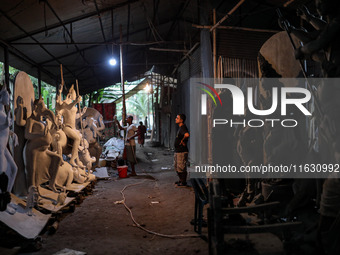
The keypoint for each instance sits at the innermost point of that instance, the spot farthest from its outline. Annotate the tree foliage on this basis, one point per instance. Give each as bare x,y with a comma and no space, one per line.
48,91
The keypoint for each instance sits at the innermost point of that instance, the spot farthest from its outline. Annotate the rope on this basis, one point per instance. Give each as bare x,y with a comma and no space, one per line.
138,225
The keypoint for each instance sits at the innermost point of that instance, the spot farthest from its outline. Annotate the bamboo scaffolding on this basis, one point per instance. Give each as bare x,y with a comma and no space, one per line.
238,28
227,15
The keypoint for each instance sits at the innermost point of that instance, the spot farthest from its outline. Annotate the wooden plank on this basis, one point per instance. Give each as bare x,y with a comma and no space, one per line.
261,228
248,209
25,225
77,187
49,198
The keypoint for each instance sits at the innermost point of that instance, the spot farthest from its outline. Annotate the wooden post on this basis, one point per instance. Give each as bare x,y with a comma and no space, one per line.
59,94
157,118
61,74
122,74
152,112
227,15
39,81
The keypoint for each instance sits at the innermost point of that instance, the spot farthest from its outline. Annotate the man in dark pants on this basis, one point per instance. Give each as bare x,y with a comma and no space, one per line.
130,144
181,150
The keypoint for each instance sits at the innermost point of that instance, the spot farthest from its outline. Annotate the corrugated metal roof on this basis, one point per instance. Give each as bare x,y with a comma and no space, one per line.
240,44
48,33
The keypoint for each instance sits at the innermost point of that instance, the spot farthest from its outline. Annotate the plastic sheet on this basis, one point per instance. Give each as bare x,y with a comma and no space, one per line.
118,143
113,147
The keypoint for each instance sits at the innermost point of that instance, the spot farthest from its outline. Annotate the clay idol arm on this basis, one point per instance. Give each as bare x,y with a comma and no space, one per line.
29,133
20,112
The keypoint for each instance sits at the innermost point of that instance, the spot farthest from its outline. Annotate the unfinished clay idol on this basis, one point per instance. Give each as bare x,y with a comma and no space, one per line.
42,165
93,125
23,103
84,154
7,164
68,110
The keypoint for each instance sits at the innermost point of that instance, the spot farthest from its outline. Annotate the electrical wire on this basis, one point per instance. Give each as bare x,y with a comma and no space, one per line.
142,228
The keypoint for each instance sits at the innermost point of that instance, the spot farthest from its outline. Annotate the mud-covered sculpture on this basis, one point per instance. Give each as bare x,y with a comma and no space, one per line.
280,145
42,165
68,110
84,154
250,150
57,147
276,62
32,199
23,102
20,112
328,41
323,45
59,141
7,164
93,125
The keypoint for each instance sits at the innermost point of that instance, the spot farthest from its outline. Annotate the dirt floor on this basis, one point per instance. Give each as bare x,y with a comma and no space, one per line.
101,225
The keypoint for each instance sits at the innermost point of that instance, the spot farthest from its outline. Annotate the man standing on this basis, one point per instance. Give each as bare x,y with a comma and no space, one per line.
141,134
130,144
181,150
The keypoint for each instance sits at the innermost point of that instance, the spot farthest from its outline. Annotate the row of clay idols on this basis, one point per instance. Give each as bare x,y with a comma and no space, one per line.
48,138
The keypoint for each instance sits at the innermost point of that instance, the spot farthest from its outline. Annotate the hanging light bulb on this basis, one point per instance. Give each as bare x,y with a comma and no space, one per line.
147,88
112,61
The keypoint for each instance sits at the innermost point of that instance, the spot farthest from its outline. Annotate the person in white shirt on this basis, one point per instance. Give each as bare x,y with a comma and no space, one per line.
130,144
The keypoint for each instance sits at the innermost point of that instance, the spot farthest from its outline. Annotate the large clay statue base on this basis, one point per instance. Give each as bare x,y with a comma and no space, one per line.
27,226
77,187
48,200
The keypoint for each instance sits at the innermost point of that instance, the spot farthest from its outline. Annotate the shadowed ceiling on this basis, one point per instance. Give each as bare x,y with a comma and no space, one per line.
83,34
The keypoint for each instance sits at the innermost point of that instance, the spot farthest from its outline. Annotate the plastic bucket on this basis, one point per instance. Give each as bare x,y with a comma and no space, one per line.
122,171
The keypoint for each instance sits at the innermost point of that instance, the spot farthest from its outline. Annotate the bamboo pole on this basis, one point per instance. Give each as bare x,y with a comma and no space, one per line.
238,28
62,75
58,99
81,119
288,3
227,16
170,50
185,56
122,74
